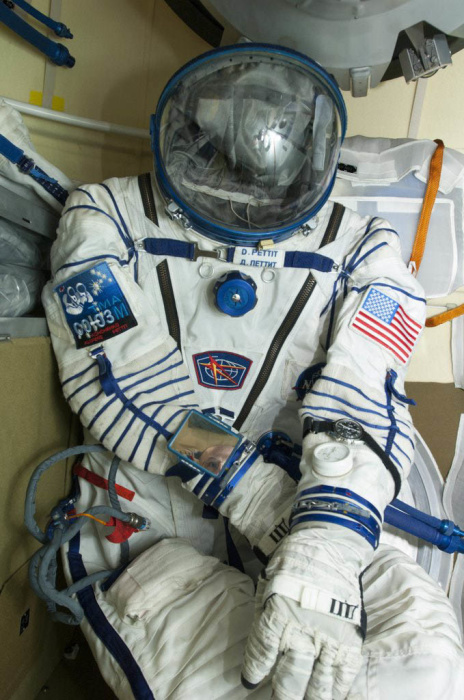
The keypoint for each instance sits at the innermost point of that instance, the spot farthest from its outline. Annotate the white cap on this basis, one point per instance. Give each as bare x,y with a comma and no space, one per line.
332,459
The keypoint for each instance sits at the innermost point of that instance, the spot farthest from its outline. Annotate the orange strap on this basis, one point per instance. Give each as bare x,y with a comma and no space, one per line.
418,248
445,316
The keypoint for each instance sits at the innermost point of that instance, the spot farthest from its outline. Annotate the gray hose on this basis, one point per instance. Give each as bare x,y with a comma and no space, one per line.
57,597
29,506
43,564
42,570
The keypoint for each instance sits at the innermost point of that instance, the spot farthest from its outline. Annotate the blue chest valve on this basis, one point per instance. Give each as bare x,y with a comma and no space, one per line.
235,294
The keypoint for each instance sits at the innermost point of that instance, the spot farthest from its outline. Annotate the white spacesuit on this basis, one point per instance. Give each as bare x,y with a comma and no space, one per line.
229,285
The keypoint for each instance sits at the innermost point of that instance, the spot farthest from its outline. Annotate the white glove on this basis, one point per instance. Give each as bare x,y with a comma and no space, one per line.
309,604
308,617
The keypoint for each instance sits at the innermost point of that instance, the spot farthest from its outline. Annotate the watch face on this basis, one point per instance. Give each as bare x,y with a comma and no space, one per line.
347,429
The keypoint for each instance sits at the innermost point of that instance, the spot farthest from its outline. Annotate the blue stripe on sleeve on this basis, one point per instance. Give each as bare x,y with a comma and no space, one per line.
101,411
115,204
160,386
353,388
81,387
347,403
81,189
87,260
127,241
152,376
359,290
155,439
142,432
79,374
367,237
144,369
367,254
86,403
397,447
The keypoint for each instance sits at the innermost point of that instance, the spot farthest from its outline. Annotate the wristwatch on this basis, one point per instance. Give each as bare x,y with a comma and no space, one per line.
351,432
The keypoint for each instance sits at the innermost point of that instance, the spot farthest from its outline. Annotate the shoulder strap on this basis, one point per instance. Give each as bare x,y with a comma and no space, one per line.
436,163
28,167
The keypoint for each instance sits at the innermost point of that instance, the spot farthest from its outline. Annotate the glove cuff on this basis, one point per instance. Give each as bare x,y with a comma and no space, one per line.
312,598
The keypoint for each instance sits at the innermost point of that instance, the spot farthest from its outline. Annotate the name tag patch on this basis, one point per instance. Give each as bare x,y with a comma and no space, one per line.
94,305
259,258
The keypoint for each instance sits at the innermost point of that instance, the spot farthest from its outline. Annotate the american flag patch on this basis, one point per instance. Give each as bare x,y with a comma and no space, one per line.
384,321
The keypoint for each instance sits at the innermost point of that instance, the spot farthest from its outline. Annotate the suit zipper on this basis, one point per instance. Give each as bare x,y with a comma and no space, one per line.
148,199
164,277
288,323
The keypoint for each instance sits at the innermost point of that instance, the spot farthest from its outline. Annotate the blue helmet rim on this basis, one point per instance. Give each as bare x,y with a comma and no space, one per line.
202,225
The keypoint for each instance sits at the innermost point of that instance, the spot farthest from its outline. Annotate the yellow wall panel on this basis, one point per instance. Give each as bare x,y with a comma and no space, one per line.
385,111
442,116
172,44
111,39
86,155
125,51
35,423
27,659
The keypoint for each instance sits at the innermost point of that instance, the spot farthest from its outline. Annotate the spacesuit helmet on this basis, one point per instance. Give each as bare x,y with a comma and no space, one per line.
246,140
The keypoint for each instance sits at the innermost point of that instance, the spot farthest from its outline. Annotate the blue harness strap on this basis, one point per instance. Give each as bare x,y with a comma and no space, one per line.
308,261
169,246
172,247
27,166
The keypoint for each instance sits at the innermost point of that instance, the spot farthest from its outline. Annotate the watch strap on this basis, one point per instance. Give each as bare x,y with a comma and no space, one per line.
387,462
311,425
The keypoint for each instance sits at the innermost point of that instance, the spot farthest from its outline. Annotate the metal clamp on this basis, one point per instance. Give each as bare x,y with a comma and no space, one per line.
25,164
218,254
176,214
333,507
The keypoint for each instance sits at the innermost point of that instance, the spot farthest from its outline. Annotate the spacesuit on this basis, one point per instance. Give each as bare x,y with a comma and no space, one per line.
228,285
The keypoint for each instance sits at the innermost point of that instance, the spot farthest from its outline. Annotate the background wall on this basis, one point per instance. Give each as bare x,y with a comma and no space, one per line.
388,109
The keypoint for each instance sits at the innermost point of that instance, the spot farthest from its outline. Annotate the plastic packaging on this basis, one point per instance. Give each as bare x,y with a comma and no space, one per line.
20,289
18,246
23,257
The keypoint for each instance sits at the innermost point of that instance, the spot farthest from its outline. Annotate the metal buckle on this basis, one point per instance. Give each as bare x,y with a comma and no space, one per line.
236,464
25,164
218,254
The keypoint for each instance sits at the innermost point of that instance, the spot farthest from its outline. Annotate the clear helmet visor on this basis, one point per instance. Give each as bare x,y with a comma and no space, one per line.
247,139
